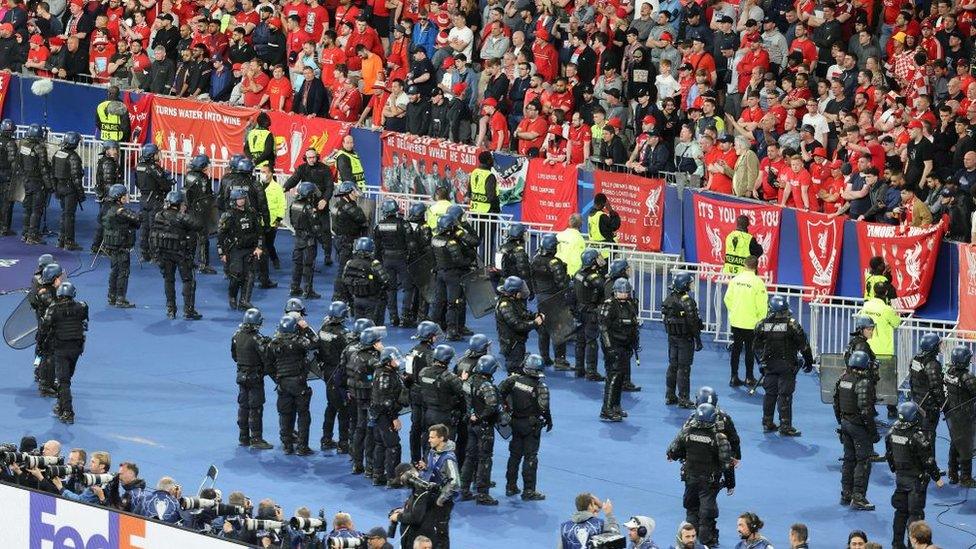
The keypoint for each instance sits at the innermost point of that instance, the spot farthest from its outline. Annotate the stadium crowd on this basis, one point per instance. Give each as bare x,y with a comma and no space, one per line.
850,108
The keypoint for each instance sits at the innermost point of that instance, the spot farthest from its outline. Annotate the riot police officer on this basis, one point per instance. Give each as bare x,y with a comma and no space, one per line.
334,337
418,244
249,349
620,333
683,326
419,358
34,169
349,222
588,285
200,206
451,262
442,391
960,387
723,421
62,333
118,238
854,398
68,172
171,245
42,293
910,458
526,398
108,173
926,383
549,279
617,269
514,321
304,220
359,372
391,236
778,339
513,259
346,381
9,156
240,241
366,281
287,352
154,185
484,411
467,236
316,172
388,395
707,468
478,346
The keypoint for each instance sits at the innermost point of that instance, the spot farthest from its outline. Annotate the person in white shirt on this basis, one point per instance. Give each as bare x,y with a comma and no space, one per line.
460,37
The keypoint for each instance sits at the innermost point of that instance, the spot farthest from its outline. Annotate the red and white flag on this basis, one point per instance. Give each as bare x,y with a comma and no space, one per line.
820,249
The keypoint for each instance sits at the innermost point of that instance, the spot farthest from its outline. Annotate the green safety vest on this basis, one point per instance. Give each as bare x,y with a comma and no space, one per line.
479,194
593,222
256,139
358,175
570,249
736,251
885,321
435,211
110,124
869,283
746,300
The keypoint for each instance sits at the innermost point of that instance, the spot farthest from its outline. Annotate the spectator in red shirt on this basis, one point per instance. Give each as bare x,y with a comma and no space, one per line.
531,131
332,56
498,134
296,8
347,102
254,85
366,36
279,90
769,170
546,57
579,142
830,192
805,46
37,56
295,38
796,183
719,163
398,63
699,59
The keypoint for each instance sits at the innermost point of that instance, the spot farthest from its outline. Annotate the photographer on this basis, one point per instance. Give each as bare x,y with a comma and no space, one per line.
301,530
415,517
342,529
126,487
376,539
162,504
232,526
94,492
198,517
269,533
36,477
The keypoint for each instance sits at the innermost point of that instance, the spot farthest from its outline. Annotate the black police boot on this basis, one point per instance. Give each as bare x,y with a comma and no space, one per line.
192,314
953,476
243,439
72,246
304,451
466,332
394,320
207,270
342,447
327,444
670,400
454,336
170,312
47,391
845,498
629,387
123,303
232,301
295,292
751,382
276,263
966,481
485,499
532,495
408,322
686,404
595,376
619,411
289,449
260,444
311,294
563,365
466,495
609,415
379,480
580,373
512,490
357,469
734,381
768,425
67,418
268,284
789,431
859,502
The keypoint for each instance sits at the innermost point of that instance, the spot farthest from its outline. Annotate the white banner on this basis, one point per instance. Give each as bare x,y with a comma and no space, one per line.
33,520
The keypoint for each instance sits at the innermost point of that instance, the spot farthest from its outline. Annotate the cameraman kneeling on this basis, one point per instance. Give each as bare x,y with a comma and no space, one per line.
420,515
232,527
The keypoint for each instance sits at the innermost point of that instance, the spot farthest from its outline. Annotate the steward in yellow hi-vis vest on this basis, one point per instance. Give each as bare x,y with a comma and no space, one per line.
483,187
739,245
259,143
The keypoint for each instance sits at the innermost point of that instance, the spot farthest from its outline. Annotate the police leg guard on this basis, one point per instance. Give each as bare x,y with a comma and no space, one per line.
63,368
243,414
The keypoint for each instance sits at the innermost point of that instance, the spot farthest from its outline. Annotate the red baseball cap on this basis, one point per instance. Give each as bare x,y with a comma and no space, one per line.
649,120
836,165
915,124
490,102
274,22
236,66
448,63
666,36
459,88
36,39
820,151
56,41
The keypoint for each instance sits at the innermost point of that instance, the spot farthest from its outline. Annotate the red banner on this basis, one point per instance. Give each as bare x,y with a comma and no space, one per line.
820,243
640,203
550,193
139,111
295,134
4,87
193,127
715,219
910,252
967,287
418,165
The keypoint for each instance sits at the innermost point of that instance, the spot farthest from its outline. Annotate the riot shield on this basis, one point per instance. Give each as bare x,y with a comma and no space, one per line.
18,192
421,272
504,431
961,427
479,293
20,326
368,204
212,219
559,321
832,366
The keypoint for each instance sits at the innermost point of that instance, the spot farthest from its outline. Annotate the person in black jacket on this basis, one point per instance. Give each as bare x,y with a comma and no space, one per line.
612,150
75,59
167,36
12,54
289,367
439,111
459,117
415,518
161,73
310,99
315,171
61,333
277,47
418,112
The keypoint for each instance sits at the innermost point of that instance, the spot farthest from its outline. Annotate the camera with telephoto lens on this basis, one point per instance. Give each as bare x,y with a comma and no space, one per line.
343,543
307,524
253,525
64,471
29,461
418,484
91,479
607,540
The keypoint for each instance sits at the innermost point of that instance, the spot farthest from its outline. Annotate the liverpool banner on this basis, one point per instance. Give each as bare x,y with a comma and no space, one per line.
715,219
820,242
550,194
191,127
4,88
640,203
418,165
139,111
294,134
967,287
909,251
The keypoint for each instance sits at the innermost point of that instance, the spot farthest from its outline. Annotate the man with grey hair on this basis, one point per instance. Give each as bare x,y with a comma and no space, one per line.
422,542
162,504
161,73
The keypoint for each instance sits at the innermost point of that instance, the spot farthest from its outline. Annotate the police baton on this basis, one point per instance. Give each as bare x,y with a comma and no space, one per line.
752,390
